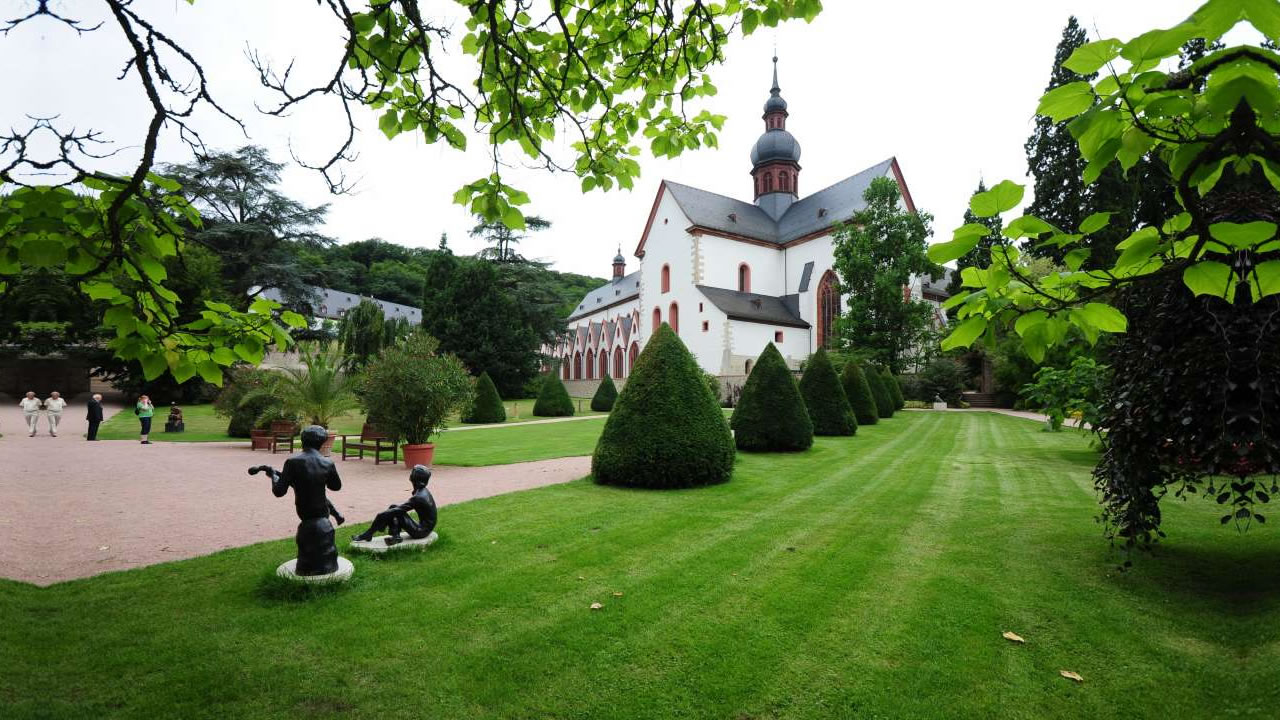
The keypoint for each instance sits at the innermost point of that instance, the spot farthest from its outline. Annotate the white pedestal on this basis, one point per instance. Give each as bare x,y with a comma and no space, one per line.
939,406
342,574
379,543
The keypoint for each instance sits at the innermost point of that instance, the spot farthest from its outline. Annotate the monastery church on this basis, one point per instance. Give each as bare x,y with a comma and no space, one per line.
730,276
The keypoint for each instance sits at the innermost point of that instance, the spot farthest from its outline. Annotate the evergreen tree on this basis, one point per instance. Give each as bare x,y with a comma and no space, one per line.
666,430
825,399
771,415
980,255
487,406
553,400
895,389
605,395
879,392
858,390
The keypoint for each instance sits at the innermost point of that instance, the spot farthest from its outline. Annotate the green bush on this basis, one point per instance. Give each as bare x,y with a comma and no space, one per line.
771,414
246,397
910,385
412,389
879,391
944,379
858,390
895,389
487,407
606,395
666,429
553,399
823,395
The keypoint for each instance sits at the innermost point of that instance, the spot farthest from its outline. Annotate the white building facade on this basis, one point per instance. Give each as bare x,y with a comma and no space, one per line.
730,276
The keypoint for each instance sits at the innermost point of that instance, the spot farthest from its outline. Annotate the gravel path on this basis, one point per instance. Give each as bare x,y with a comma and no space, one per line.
116,504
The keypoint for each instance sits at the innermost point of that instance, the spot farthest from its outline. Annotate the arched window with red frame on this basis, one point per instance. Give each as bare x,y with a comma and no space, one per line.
618,370
666,278
564,368
632,354
577,366
784,178
604,364
673,317
657,321
744,278
591,363
828,309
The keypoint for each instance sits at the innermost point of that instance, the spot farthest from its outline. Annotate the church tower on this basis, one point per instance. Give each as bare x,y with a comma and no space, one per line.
775,158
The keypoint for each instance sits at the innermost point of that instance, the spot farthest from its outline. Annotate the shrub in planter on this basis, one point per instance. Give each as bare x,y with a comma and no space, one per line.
605,395
825,399
487,406
412,390
879,391
666,429
553,399
895,389
771,415
858,390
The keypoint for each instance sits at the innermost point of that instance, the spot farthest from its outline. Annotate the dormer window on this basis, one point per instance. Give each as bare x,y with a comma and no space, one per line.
822,212
733,217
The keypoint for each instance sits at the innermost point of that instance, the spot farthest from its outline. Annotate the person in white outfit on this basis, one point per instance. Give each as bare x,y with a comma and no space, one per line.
53,408
31,409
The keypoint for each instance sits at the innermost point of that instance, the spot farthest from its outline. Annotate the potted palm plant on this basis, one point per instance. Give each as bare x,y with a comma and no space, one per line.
413,391
317,392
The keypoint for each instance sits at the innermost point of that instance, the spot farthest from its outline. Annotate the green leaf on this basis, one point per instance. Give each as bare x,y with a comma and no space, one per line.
210,371
223,356
1025,323
1090,57
513,218
965,333
1066,101
1027,226
389,124
965,239
1208,277
1268,278
153,366
1003,197
1095,222
1075,258
1104,317
183,371
100,290
293,319
1242,236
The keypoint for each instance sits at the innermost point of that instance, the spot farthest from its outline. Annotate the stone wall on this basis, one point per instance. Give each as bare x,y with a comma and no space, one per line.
587,388
43,375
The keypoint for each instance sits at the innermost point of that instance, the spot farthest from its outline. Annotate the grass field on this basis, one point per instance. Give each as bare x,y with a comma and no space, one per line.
203,425
870,577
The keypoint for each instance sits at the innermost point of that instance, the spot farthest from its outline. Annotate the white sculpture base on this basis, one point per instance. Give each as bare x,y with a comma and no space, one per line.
342,574
939,406
379,543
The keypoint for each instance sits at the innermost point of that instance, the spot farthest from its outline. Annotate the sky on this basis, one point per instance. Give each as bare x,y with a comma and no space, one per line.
949,88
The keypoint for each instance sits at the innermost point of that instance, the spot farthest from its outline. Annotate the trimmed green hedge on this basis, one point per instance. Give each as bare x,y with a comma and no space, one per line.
771,415
606,395
858,390
824,397
553,399
895,389
879,391
487,407
666,429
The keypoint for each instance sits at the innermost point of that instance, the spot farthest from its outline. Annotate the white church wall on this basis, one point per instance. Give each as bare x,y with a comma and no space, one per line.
707,346
819,252
667,244
749,340
722,256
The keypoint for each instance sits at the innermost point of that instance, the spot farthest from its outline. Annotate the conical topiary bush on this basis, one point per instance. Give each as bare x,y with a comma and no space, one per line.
895,389
825,399
858,390
884,401
553,400
666,429
771,415
606,395
487,407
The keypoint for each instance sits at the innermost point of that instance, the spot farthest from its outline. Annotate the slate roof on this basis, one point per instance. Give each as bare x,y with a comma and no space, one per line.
333,304
827,207
752,307
612,292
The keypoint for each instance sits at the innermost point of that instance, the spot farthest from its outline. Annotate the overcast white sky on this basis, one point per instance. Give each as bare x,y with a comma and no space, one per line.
948,87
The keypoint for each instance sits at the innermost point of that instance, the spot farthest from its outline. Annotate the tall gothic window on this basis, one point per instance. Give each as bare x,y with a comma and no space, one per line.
657,321
784,176
744,278
828,309
666,278
673,317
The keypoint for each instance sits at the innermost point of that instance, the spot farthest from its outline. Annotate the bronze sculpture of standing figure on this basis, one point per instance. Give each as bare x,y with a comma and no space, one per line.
309,473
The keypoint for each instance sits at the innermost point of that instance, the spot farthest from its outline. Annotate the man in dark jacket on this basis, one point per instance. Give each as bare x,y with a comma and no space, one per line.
95,415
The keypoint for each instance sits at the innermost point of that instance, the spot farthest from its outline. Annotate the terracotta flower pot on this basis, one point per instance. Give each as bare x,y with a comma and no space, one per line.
418,454
327,446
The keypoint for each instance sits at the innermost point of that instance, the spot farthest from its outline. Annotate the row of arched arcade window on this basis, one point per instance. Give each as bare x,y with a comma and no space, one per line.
616,363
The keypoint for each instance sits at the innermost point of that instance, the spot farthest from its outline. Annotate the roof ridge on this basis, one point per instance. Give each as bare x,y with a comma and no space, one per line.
888,160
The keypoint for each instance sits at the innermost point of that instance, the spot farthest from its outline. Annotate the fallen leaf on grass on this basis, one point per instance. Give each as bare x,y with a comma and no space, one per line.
617,594
582,577
596,606
1071,675
1012,636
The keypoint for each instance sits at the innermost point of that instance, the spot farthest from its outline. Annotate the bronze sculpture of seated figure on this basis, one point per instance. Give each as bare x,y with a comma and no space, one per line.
396,518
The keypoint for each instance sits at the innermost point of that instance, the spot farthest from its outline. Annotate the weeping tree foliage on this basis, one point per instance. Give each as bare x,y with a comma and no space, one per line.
1193,288
605,395
825,399
575,87
771,414
487,406
667,429
363,333
858,390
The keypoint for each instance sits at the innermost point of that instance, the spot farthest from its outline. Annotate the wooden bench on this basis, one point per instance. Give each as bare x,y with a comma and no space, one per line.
282,433
369,439
259,439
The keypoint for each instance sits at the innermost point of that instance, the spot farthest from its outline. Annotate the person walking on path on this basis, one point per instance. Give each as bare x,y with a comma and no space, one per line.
53,408
31,410
144,410
94,416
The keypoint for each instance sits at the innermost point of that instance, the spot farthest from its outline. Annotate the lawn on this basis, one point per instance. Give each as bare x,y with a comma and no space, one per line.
870,577
203,425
